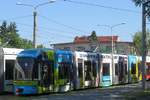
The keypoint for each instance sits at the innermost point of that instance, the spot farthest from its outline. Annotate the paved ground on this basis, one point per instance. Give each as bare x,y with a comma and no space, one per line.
110,93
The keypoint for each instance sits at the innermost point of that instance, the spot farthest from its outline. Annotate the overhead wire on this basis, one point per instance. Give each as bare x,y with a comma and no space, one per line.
67,26
102,6
46,30
16,18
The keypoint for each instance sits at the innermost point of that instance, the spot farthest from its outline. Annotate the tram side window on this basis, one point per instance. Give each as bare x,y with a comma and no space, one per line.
133,68
88,70
94,69
80,68
116,68
106,69
9,69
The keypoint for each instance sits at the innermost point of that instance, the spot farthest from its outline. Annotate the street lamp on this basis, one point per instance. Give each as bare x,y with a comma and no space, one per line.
35,17
111,31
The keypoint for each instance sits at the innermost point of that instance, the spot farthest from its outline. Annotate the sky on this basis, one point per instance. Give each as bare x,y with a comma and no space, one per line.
61,21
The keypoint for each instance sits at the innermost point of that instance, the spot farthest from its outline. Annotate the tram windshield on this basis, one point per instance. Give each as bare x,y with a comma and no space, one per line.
24,65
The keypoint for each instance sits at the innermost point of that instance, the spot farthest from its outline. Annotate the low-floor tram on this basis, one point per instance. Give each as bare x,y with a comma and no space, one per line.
44,70
7,65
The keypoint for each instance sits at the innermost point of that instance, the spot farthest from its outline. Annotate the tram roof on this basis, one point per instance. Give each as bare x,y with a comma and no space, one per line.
63,52
32,52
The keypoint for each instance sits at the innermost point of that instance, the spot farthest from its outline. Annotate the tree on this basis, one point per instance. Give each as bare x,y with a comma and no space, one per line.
137,38
93,37
94,41
40,46
139,4
9,37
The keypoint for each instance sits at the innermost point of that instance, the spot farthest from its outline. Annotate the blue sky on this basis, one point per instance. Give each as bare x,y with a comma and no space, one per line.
61,21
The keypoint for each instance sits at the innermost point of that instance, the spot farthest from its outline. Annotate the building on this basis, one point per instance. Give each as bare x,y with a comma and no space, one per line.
104,45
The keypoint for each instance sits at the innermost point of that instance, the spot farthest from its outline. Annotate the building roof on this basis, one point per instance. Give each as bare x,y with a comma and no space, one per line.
85,39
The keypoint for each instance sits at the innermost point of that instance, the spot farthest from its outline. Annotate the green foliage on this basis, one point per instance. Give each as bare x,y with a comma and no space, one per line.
137,40
9,37
93,37
139,4
40,46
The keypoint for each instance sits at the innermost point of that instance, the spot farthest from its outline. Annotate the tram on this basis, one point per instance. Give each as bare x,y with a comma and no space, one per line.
86,70
34,72
38,71
7,64
106,70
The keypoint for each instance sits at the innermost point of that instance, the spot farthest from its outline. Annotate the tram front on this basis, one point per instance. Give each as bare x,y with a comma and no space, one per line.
33,73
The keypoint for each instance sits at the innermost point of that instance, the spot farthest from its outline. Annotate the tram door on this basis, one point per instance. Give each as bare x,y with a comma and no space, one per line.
95,73
47,79
80,81
139,71
133,72
106,79
9,75
88,73
122,70
116,69
106,70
